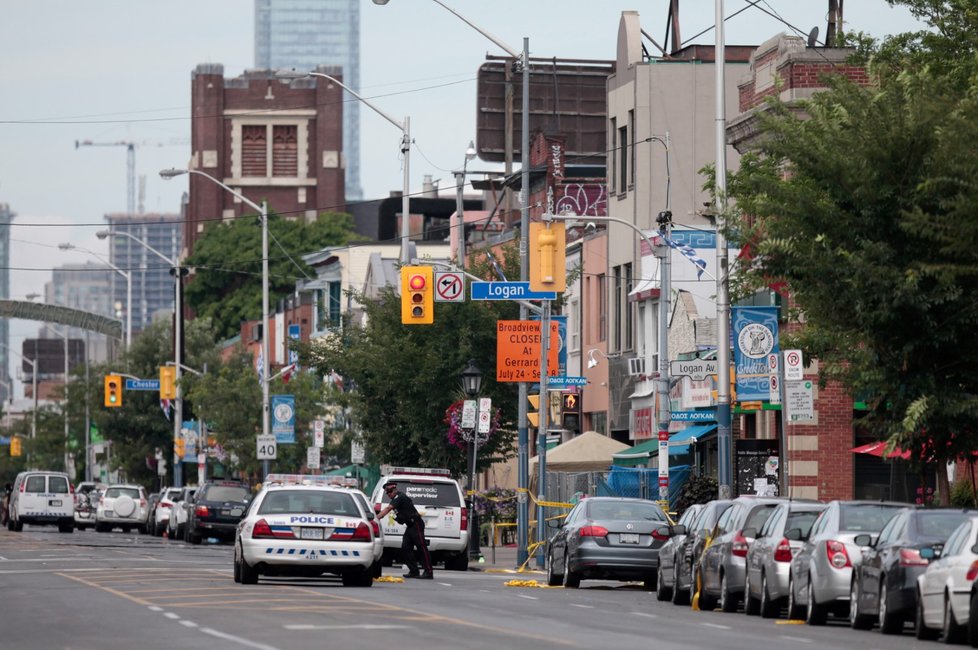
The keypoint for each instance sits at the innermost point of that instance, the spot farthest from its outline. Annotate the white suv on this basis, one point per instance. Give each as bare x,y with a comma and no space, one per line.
42,498
440,502
122,506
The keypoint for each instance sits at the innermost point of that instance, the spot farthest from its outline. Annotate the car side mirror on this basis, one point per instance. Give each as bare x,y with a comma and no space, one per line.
555,523
679,529
794,535
663,531
749,532
863,540
929,553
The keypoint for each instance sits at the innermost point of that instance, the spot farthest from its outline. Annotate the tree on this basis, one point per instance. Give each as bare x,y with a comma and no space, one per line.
401,379
226,286
865,206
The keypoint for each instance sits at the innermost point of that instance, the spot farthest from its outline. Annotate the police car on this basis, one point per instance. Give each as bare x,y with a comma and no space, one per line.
301,525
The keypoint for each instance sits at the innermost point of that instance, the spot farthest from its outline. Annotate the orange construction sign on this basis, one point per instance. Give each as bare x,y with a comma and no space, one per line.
518,350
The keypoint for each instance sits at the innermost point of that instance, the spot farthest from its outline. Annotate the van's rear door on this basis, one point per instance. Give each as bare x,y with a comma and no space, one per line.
439,503
60,502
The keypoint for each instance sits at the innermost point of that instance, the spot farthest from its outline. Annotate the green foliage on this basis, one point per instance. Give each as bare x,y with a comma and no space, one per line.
226,285
698,489
963,494
867,209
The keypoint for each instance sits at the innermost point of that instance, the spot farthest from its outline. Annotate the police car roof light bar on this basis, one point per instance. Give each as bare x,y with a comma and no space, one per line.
318,480
421,470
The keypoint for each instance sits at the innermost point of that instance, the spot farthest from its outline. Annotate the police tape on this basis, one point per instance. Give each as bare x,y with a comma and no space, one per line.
546,504
529,583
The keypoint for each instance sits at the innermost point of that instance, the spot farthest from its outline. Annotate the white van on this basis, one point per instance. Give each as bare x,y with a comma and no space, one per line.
42,498
440,502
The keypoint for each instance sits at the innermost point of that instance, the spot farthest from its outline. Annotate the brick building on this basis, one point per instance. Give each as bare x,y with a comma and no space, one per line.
271,139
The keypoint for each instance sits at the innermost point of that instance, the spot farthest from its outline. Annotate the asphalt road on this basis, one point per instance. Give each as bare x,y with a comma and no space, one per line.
119,591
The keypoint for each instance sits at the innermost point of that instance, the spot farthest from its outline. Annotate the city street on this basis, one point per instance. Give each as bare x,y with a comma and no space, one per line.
115,591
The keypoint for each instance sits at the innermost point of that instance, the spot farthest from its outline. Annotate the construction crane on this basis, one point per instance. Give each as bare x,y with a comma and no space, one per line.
130,165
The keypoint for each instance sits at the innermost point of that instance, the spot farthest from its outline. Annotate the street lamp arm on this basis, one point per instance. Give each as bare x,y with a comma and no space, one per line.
395,122
574,217
102,234
170,173
510,51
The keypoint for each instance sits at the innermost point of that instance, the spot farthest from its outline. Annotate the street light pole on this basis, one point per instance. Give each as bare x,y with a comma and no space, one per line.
262,210
470,153
127,275
471,384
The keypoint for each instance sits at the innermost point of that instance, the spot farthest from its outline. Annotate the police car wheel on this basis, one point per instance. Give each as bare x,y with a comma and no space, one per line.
358,578
377,569
248,575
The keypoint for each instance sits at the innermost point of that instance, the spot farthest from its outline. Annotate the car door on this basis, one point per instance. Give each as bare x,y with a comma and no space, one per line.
559,542
33,500
713,554
801,561
874,556
933,580
761,548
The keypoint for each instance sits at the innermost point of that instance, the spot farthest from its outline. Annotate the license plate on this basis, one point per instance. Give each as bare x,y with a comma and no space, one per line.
629,538
310,533
55,502
235,512
107,513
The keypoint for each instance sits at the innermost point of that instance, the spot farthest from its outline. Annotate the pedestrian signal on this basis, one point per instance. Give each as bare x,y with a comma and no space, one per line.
168,382
113,391
417,295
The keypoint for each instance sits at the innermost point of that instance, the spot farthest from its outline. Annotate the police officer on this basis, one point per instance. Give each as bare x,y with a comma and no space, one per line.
405,513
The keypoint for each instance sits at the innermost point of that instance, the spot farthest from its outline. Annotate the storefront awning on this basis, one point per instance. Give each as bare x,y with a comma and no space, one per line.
678,444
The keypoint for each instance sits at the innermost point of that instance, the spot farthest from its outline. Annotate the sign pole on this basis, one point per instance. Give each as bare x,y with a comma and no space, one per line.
542,433
785,484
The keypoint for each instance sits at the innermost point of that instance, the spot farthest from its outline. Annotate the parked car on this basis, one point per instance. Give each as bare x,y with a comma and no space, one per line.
440,502
884,585
122,506
161,515
177,524
41,499
607,538
668,553
377,570
821,572
723,564
947,596
218,506
298,525
769,557
688,553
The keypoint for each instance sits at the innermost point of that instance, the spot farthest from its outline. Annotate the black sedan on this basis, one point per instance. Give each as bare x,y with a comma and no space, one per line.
607,538
884,584
216,510
689,552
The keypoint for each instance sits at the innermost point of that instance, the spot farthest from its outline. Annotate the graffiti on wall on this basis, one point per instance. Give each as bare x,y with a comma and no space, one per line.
584,199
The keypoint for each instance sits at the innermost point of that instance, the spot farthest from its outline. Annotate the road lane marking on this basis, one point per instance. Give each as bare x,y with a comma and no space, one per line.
796,638
237,639
171,616
365,626
716,626
527,597
188,624
582,606
154,608
645,615
116,592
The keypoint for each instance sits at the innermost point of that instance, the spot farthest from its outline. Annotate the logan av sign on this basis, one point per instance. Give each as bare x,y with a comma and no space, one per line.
697,369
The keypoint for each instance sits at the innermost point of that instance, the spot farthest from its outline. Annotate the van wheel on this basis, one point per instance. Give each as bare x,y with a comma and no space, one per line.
67,527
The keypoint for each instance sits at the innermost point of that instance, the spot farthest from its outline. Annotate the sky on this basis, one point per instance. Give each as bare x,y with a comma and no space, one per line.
117,70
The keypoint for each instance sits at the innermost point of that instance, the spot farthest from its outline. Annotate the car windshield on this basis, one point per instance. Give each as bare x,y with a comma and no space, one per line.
625,510
940,525
441,495
225,493
114,492
866,517
802,521
308,501
173,494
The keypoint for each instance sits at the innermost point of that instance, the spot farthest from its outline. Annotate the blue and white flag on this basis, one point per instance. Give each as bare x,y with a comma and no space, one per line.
689,253
260,366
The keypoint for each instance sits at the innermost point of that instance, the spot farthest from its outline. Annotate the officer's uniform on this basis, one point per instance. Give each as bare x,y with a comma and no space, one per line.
405,513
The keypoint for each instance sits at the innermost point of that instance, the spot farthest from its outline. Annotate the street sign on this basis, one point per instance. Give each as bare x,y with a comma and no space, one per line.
267,448
319,439
508,291
793,365
468,414
143,384
800,401
693,416
319,426
449,286
696,369
518,350
775,396
357,453
312,457
567,381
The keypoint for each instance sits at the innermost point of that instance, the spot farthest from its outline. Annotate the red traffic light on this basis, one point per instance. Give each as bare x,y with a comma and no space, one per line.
416,282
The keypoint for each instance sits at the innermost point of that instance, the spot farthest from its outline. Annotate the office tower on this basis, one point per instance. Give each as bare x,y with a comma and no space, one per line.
304,34
6,217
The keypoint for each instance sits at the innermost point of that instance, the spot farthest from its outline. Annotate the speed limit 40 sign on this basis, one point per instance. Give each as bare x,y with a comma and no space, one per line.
267,448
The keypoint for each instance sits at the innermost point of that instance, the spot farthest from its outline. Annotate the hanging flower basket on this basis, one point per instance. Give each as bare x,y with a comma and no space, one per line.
453,418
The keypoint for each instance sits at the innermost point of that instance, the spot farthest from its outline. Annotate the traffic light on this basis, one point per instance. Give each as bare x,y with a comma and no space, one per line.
168,382
534,416
548,270
15,448
113,391
571,413
417,295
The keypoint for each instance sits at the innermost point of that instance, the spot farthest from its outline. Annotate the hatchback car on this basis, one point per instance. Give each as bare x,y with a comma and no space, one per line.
723,565
884,585
668,552
688,553
176,526
122,506
161,516
769,557
821,572
947,595
607,538
301,526
217,508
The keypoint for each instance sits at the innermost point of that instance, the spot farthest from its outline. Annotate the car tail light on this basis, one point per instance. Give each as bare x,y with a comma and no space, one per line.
837,554
101,500
463,522
972,571
594,531
911,557
142,503
659,538
782,553
739,546
359,534
71,488
23,487
376,528
201,511
263,531
166,505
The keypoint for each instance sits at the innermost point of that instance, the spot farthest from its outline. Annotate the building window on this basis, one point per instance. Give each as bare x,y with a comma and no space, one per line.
328,309
285,150
627,314
574,326
618,310
613,159
623,160
269,150
603,306
254,150
631,158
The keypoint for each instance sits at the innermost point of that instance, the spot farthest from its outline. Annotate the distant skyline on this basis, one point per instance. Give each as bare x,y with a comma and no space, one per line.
119,71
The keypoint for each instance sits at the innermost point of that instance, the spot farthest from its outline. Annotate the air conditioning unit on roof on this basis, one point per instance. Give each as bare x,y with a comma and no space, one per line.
636,366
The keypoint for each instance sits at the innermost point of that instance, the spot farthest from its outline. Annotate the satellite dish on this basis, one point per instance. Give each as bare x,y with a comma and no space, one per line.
813,36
